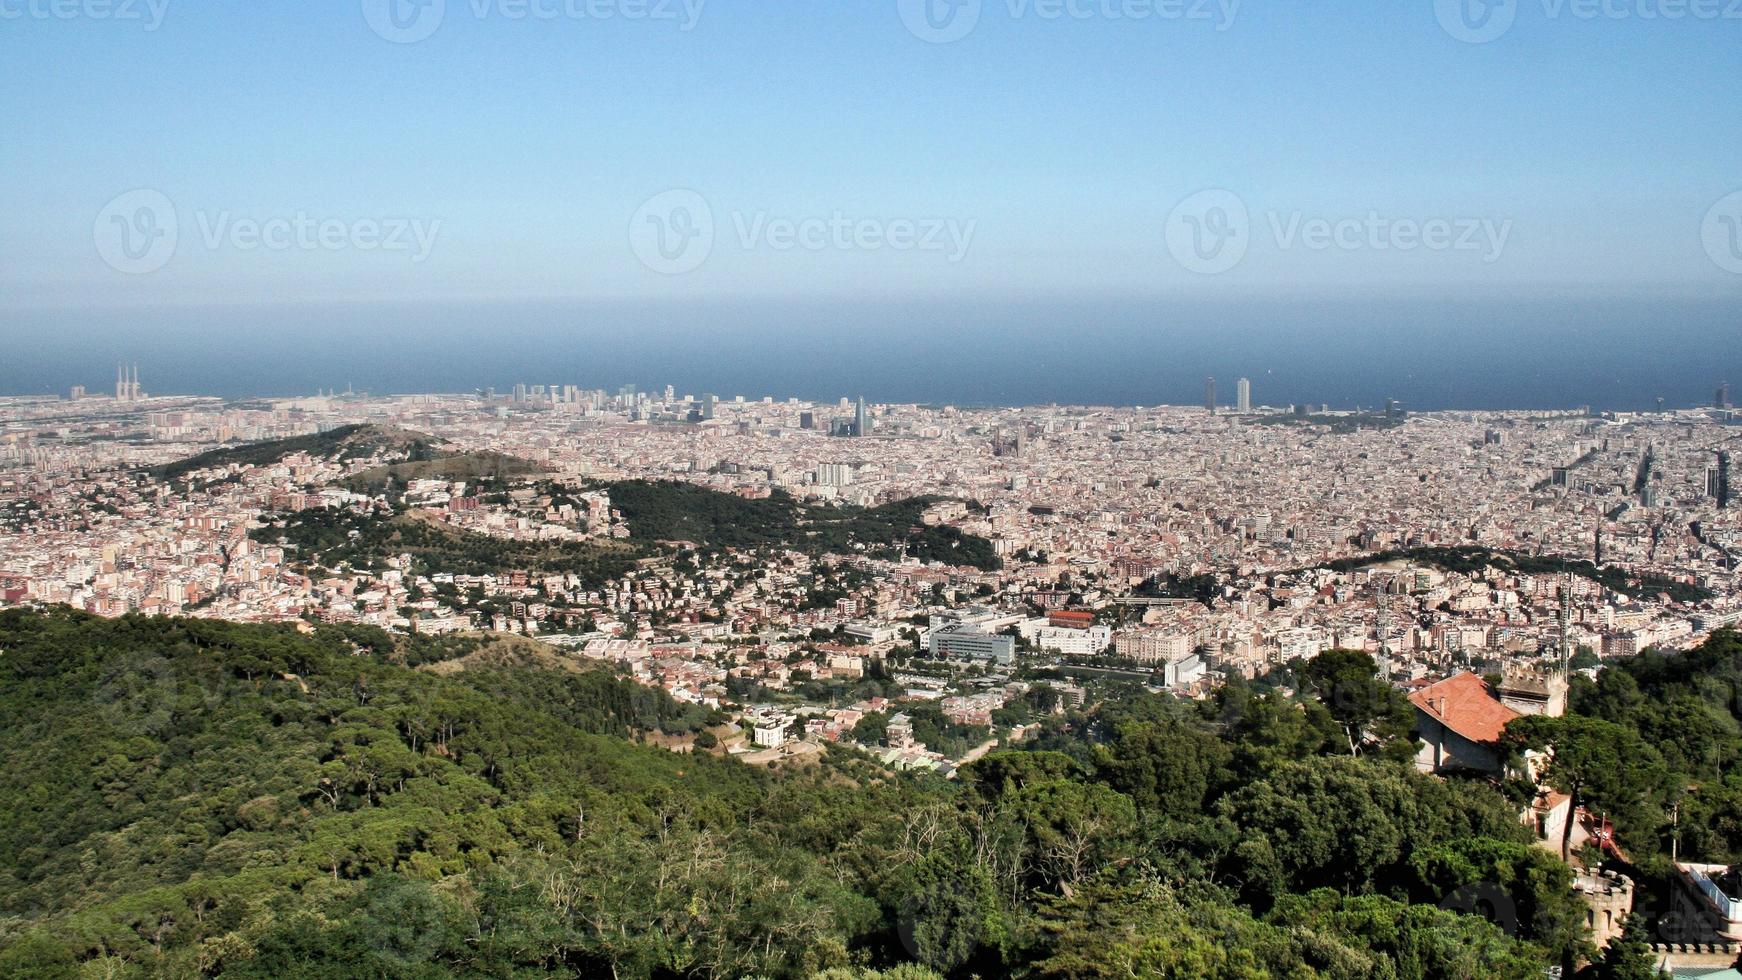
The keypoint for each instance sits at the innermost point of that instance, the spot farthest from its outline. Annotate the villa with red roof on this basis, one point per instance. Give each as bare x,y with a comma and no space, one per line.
1460,722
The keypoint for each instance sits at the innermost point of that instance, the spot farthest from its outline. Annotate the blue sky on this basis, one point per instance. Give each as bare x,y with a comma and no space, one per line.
1057,149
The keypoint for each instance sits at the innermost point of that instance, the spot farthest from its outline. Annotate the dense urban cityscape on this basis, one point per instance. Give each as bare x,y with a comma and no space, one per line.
921,584
1174,547
1291,530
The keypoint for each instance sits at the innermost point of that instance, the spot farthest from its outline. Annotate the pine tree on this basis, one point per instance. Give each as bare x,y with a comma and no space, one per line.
1629,955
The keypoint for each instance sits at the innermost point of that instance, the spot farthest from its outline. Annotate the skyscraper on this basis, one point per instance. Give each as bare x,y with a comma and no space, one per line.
861,420
1244,390
1722,398
1210,395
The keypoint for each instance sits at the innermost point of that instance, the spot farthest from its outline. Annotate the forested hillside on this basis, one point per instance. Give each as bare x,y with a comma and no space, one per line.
191,798
356,539
1663,731
344,442
484,467
670,511
1472,560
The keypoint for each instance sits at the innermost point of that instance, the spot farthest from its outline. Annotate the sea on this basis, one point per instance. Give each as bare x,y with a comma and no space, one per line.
1538,351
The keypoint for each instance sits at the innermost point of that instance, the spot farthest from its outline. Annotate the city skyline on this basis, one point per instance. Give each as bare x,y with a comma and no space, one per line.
129,389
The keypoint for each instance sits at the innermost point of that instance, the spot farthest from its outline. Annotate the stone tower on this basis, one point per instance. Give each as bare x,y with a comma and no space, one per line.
1534,690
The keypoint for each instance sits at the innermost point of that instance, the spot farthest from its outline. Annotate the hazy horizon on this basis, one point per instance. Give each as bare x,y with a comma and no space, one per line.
960,201
1607,353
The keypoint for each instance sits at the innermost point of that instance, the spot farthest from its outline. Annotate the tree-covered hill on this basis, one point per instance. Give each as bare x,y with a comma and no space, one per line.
190,796
366,540
1472,559
1662,735
194,798
489,468
656,513
344,442
673,511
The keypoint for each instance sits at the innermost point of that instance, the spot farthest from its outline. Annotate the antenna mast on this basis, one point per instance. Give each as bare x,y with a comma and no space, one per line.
1566,622
1384,631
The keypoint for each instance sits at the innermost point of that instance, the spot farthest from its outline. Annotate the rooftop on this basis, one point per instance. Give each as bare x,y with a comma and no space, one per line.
1464,704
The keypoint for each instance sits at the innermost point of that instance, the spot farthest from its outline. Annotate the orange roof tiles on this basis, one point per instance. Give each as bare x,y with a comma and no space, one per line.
1464,704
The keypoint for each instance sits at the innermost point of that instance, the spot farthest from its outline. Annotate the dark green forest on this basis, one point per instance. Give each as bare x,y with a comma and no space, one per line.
366,540
1470,560
344,442
484,467
190,798
655,512
670,511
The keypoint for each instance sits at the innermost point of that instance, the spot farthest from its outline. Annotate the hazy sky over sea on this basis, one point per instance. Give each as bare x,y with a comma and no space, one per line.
1005,200
1435,353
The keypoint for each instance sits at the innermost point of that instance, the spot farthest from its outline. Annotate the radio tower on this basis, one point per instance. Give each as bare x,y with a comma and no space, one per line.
1566,622
1384,632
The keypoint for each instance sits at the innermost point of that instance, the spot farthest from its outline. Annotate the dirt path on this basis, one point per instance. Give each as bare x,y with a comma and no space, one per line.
978,751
